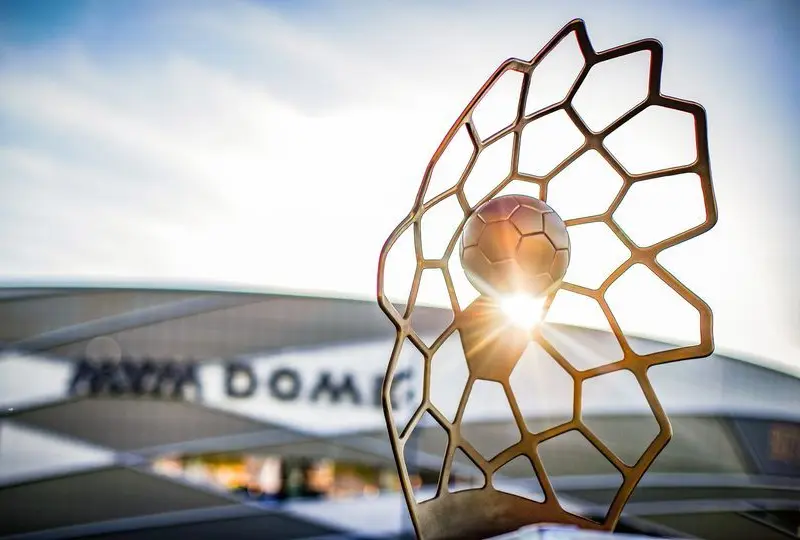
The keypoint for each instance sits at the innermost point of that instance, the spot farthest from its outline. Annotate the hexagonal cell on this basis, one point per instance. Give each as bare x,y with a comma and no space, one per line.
477,268
407,384
518,477
646,306
536,253
488,423
616,410
424,452
432,292
698,444
560,264
449,374
438,223
595,252
491,345
657,209
577,328
537,284
527,220
399,270
472,231
552,79
499,241
498,209
586,188
498,107
543,390
656,138
556,231
451,165
492,167
618,84
521,187
464,474
547,142
464,291
535,204
499,277
572,454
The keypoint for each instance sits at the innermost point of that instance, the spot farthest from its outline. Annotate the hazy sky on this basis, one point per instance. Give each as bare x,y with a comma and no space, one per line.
276,144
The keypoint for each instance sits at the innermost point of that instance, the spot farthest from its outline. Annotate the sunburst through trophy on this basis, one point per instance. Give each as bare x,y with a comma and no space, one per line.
515,249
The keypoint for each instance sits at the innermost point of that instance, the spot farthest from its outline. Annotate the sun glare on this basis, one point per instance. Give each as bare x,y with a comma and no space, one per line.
523,310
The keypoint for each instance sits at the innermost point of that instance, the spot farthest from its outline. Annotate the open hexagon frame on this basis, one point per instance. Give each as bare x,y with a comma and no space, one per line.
446,516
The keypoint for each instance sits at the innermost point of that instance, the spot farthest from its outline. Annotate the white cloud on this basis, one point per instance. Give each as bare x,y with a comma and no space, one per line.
279,148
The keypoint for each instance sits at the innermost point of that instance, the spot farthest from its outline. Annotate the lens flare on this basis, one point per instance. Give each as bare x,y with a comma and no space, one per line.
523,310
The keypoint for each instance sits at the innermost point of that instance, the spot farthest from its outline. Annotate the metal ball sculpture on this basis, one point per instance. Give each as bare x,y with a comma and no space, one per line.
516,243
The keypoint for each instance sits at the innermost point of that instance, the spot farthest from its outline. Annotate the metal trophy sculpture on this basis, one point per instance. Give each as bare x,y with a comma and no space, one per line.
515,244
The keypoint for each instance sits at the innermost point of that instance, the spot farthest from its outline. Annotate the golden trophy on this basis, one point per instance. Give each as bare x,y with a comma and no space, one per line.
515,250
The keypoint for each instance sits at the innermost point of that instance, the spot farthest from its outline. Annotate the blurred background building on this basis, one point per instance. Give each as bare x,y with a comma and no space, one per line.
220,413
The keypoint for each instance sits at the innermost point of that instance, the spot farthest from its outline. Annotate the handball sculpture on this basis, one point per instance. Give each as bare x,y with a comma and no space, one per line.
515,244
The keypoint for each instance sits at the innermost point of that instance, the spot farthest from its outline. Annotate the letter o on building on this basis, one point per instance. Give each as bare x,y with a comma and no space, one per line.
285,384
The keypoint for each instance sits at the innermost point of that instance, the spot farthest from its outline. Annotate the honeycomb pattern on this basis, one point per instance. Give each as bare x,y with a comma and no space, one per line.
464,514
514,243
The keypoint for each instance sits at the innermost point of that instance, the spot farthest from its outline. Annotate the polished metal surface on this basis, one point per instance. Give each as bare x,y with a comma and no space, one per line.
514,244
485,511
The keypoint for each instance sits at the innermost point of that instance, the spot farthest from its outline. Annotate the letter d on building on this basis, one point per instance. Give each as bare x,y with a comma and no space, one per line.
240,380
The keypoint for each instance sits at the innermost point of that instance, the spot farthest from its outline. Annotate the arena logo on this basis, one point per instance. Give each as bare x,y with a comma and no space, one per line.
128,377
287,384
181,380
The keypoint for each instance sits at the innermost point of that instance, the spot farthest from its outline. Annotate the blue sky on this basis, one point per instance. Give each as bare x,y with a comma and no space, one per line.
248,143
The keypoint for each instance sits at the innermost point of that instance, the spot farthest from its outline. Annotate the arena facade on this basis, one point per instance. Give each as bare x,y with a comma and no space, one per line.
134,413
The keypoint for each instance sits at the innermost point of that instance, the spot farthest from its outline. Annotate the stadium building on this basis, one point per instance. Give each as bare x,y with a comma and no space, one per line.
129,413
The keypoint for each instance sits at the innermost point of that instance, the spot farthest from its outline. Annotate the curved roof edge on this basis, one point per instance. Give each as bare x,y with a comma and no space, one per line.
176,286
86,284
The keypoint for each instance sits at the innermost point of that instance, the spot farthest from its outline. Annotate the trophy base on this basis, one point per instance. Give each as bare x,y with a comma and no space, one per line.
477,514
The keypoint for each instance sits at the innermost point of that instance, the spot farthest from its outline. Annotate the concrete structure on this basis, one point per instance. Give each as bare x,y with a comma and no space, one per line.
97,386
